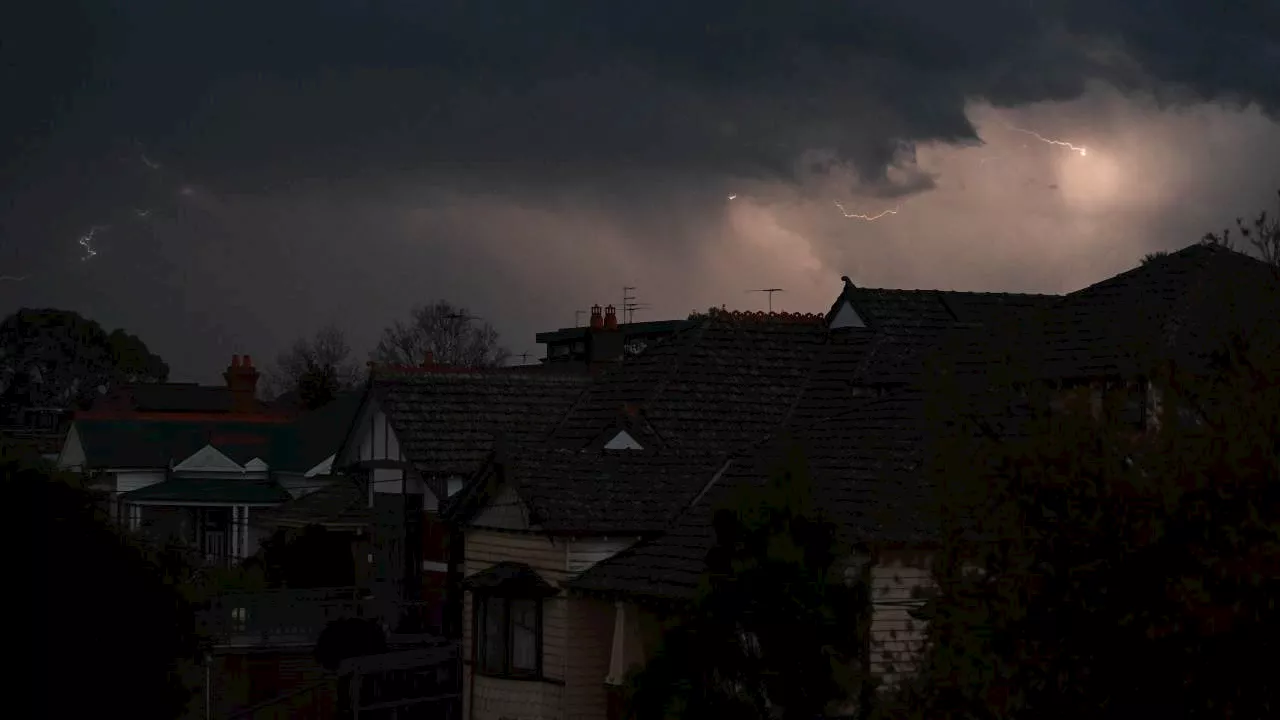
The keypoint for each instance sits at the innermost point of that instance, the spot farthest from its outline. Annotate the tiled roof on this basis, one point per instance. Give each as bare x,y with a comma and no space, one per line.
158,441
448,422
724,385
130,443
866,449
210,490
1168,309
341,501
610,491
723,382
906,310
866,474
320,432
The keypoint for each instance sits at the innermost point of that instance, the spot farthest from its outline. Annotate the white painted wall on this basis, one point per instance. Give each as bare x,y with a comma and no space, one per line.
846,317
623,441
72,456
376,440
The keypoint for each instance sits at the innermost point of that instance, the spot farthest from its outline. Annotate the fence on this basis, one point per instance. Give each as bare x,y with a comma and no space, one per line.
279,617
422,683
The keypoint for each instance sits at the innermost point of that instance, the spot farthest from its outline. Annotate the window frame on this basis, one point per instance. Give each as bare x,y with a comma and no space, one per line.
482,604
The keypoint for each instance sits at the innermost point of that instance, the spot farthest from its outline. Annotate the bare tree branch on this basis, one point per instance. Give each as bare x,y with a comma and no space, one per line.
449,333
318,367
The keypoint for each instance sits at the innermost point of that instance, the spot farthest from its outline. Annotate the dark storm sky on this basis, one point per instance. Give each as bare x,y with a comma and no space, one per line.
258,169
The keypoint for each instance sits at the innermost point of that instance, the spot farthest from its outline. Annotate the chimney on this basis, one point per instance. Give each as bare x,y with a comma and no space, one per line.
242,381
604,342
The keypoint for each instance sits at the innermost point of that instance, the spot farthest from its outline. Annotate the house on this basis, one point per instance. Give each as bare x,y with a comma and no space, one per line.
216,471
195,464
867,459
583,345
643,441
553,523
419,433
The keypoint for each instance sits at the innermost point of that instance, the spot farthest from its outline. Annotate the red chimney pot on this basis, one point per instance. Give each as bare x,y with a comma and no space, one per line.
597,320
610,318
429,360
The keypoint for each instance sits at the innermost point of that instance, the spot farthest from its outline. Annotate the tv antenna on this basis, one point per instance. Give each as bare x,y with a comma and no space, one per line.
524,358
629,304
770,292
462,315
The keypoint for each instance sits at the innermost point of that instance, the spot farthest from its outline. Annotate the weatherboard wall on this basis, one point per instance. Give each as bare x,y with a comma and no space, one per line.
497,698
898,581
577,632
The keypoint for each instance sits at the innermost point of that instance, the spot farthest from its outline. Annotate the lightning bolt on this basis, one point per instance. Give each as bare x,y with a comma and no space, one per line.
1080,150
733,197
868,218
86,242
13,278
150,163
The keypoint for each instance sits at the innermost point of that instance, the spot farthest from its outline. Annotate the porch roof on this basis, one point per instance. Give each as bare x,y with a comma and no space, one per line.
211,491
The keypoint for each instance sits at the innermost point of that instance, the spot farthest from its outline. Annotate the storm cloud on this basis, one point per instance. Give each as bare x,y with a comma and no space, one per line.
502,151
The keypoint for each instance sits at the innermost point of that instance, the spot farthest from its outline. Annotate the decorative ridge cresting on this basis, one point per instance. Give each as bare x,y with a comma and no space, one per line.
762,317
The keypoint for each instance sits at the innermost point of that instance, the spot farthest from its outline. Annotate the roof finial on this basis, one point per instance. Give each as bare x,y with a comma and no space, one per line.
848,284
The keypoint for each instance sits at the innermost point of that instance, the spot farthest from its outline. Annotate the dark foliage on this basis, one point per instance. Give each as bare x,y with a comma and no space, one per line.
1093,569
347,638
776,630
309,558
58,359
111,625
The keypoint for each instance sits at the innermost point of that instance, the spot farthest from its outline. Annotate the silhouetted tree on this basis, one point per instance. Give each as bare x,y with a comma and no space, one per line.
56,358
347,638
312,557
776,631
447,332
315,369
1263,236
1091,568
113,632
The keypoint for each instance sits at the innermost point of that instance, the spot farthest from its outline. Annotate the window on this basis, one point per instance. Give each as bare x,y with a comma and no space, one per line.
509,636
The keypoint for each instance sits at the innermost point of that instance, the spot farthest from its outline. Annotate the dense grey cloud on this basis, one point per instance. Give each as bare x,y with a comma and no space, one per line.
329,160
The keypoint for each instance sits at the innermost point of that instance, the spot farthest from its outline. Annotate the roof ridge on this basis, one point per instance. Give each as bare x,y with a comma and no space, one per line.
695,334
